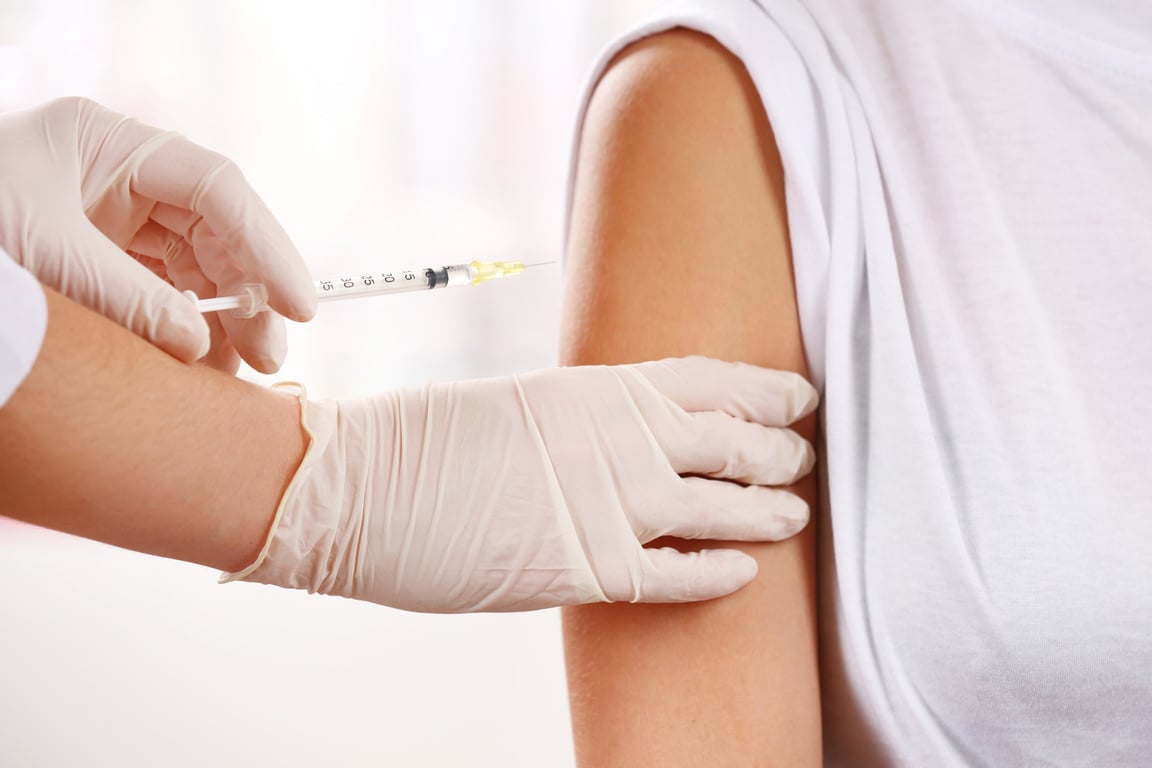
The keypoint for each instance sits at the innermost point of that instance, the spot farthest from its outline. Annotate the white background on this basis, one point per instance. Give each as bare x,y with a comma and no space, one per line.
390,133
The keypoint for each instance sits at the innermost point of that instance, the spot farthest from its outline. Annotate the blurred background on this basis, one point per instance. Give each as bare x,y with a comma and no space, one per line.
382,134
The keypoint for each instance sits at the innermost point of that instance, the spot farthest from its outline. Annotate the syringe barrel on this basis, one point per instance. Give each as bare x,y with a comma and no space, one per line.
399,281
457,274
253,298
373,284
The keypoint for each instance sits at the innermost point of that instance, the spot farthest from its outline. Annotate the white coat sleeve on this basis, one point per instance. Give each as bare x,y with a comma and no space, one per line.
23,320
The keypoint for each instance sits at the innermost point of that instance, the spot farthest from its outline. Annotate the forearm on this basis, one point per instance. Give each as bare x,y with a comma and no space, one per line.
111,439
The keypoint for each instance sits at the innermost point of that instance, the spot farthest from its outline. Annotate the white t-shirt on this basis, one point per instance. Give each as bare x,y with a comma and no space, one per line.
23,320
969,189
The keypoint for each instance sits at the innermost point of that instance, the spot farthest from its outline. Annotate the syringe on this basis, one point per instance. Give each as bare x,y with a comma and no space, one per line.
255,297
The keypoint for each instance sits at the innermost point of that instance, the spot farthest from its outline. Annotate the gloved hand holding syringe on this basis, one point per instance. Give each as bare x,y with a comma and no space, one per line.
511,493
253,298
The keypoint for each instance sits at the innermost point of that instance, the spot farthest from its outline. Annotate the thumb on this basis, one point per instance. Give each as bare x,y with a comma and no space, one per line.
683,577
94,271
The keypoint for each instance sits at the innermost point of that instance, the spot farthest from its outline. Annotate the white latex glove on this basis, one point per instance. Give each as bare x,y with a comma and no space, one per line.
540,490
122,217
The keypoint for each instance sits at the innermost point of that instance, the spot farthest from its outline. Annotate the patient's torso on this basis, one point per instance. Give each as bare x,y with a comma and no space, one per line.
970,207
988,574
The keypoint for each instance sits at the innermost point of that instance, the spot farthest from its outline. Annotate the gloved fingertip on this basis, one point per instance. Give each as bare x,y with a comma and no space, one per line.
268,359
261,341
807,460
792,516
294,298
805,398
305,309
738,567
180,331
204,348
265,365
299,309
724,571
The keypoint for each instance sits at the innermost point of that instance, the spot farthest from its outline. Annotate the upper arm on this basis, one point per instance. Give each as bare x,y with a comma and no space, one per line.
679,245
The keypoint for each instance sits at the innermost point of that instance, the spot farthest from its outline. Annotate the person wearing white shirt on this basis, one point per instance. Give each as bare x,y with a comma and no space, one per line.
940,212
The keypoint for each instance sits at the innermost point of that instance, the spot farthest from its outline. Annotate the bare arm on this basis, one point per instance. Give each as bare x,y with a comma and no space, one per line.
111,439
679,246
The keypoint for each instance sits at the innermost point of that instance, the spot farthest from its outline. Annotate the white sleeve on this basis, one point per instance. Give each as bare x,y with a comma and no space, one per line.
23,320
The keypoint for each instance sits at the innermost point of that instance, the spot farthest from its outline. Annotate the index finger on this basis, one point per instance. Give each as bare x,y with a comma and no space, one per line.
763,395
185,175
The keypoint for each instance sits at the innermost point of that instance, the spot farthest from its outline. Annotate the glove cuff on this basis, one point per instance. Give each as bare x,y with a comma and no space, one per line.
319,431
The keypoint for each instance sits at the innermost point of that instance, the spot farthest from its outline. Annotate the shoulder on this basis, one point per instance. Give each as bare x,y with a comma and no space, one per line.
677,205
664,63
677,86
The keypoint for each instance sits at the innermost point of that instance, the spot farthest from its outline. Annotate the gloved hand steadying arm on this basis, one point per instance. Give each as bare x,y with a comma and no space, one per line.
540,490
122,217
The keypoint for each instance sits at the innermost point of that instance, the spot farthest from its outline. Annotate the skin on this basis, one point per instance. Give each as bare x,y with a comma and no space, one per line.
678,177
111,439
